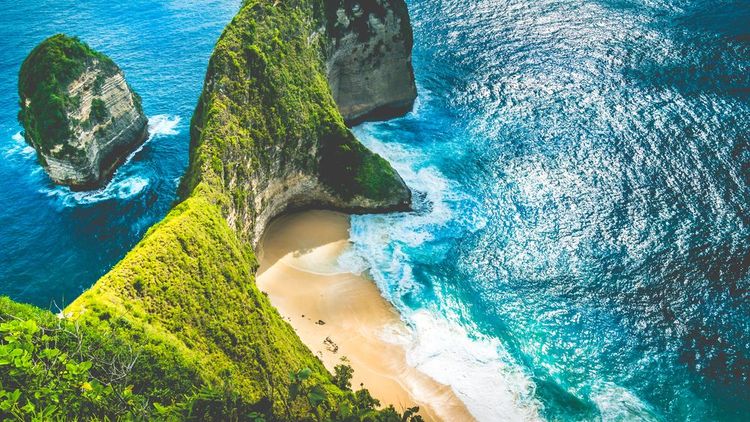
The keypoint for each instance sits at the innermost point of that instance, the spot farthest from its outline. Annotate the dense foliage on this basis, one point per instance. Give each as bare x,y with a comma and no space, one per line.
55,369
42,87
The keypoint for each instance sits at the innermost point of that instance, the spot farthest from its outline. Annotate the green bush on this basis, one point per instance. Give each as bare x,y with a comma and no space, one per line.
99,111
54,369
48,372
342,376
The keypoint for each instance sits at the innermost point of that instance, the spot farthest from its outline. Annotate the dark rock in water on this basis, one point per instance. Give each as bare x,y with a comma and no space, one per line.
369,59
78,112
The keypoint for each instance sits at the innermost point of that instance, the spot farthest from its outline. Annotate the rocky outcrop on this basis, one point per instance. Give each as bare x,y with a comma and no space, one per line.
369,58
78,112
267,133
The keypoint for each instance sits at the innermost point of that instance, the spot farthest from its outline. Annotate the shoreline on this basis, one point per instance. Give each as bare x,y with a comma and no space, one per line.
339,314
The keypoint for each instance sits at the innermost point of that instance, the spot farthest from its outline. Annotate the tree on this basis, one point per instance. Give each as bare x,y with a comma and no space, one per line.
342,376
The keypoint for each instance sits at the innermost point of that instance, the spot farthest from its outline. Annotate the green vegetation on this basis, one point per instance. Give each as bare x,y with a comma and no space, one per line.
42,87
99,111
55,369
178,329
342,376
266,100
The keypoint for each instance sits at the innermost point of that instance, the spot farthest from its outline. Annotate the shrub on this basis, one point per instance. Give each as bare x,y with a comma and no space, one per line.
99,111
342,376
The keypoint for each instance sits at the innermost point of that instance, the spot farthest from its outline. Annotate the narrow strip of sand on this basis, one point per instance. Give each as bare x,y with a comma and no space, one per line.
339,314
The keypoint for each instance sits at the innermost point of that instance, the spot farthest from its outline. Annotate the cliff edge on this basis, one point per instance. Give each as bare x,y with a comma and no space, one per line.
78,112
267,135
368,61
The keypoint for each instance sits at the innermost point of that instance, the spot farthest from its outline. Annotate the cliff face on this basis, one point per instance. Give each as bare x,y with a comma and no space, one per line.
267,133
369,58
78,112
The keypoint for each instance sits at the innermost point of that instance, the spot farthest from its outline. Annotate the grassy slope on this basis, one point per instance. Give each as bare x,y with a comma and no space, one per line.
189,284
266,100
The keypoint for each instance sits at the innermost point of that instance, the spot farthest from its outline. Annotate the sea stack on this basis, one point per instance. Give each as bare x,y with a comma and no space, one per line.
78,112
369,59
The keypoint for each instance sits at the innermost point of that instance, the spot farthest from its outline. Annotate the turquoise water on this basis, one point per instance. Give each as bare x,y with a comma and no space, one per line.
579,248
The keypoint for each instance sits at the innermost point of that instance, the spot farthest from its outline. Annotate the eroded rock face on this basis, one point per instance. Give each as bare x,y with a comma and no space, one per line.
369,59
116,126
78,112
267,136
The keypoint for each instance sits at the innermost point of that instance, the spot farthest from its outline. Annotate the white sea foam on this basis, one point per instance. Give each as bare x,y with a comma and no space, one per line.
163,124
120,189
19,148
159,125
616,403
477,367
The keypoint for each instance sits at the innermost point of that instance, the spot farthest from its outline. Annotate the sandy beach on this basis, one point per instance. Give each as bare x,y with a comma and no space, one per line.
339,314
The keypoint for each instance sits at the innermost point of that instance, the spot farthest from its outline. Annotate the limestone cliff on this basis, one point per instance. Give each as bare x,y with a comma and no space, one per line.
78,112
368,60
267,132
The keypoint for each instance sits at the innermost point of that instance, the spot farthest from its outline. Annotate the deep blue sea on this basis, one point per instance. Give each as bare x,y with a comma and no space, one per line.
580,248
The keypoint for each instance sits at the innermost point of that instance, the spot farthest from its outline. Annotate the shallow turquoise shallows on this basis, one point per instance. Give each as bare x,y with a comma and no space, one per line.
580,247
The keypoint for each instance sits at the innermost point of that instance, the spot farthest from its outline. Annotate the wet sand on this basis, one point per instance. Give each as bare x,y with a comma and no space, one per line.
339,314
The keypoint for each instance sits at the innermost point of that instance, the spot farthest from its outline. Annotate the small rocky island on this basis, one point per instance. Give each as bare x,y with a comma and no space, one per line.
78,112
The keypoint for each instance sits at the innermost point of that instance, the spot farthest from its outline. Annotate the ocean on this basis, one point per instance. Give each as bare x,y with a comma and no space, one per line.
579,248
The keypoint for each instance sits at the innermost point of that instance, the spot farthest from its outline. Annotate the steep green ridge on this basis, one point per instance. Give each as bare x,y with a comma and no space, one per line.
43,81
189,285
267,123
184,300
266,98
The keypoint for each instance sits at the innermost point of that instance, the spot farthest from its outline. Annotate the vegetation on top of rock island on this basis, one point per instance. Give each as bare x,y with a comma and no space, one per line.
42,87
